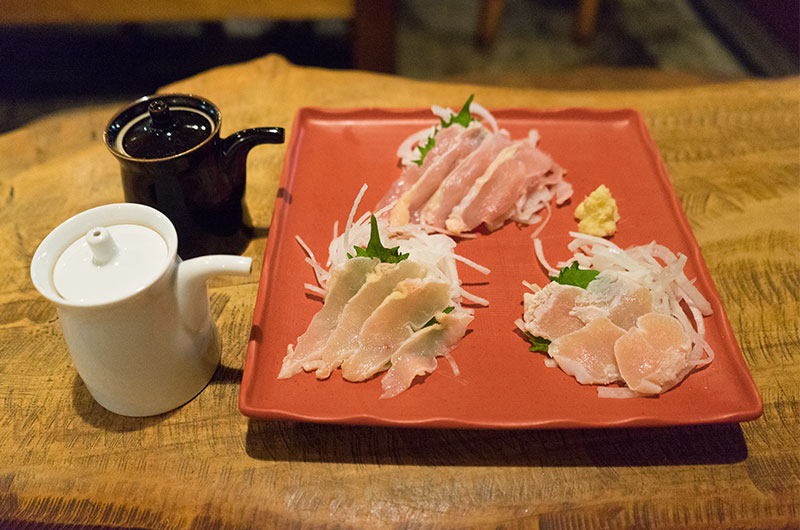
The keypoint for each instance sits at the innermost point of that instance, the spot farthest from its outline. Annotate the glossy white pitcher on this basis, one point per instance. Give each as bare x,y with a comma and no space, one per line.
134,315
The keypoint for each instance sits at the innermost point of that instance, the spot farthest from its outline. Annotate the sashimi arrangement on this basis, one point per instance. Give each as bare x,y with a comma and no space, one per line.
617,316
393,301
394,309
466,173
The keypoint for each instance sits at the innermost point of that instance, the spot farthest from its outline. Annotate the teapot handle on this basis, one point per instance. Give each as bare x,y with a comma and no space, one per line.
234,148
191,284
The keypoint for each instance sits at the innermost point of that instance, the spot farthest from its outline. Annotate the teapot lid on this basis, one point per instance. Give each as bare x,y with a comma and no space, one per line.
109,263
164,131
161,126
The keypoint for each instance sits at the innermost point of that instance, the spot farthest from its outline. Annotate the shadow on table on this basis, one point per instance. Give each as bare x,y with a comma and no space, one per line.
658,446
97,416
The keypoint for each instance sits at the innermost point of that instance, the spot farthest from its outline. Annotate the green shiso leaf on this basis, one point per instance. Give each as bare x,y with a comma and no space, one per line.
375,248
463,117
572,275
537,343
423,149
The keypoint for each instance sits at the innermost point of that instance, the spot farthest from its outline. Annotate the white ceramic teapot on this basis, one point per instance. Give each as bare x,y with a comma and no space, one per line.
134,316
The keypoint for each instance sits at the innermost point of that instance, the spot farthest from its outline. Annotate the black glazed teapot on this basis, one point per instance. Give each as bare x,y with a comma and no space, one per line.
173,159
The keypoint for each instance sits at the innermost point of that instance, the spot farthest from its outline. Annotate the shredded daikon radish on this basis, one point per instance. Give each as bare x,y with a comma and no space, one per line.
453,365
444,113
346,234
479,110
408,151
319,271
314,289
537,247
615,392
476,266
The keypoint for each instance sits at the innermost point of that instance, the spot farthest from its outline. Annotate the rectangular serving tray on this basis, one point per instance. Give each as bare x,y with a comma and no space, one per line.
501,385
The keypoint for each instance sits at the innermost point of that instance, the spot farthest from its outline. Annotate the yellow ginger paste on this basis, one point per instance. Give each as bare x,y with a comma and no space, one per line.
598,213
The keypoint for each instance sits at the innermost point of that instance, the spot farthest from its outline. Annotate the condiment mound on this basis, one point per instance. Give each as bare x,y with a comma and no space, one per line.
501,384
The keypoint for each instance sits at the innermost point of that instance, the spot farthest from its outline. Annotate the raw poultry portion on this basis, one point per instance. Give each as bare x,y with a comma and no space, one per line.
588,352
344,283
466,173
441,162
460,180
653,356
395,309
619,316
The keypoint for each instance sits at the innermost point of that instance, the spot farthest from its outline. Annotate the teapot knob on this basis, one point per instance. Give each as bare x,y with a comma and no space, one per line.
102,245
159,114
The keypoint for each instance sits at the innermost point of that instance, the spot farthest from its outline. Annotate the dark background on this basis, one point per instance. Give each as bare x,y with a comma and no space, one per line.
46,68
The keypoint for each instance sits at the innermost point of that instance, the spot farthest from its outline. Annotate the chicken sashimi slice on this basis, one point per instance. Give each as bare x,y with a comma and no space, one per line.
414,198
458,183
493,196
548,311
417,355
409,307
412,172
653,356
344,283
588,353
379,284
612,296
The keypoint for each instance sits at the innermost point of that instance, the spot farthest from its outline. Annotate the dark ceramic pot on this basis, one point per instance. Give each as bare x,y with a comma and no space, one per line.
173,159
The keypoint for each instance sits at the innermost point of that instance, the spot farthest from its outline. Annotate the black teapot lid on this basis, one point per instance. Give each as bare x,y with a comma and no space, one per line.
162,127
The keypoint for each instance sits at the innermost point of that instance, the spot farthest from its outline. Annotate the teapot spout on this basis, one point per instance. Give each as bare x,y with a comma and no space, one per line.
191,285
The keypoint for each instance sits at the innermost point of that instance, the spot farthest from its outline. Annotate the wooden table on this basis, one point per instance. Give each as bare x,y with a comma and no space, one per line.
733,153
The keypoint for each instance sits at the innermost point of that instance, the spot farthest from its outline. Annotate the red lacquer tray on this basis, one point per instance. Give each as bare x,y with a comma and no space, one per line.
502,385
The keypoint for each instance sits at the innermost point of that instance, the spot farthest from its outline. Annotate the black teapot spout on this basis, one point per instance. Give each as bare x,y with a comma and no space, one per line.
236,147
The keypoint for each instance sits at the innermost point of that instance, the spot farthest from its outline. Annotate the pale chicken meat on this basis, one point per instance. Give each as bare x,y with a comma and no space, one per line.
417,355
378,285
408,308
441,163
412,172
588,353
344,283
458,183
548,311
653,356
611,295
516,171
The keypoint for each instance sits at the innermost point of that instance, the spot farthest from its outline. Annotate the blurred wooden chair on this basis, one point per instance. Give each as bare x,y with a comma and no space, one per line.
373,21
492,11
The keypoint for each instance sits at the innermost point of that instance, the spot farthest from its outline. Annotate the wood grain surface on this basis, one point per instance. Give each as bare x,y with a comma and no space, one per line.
733,154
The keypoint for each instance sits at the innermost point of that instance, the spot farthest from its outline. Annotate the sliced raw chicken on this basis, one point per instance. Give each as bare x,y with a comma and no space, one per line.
378,285
412,172
653,356
588,353
548,311
610,295
417,355
516,170
458,183
409,307
414,198
344,283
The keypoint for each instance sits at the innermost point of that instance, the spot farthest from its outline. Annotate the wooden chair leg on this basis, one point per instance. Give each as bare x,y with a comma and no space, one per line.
489,21
585,20
374,35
